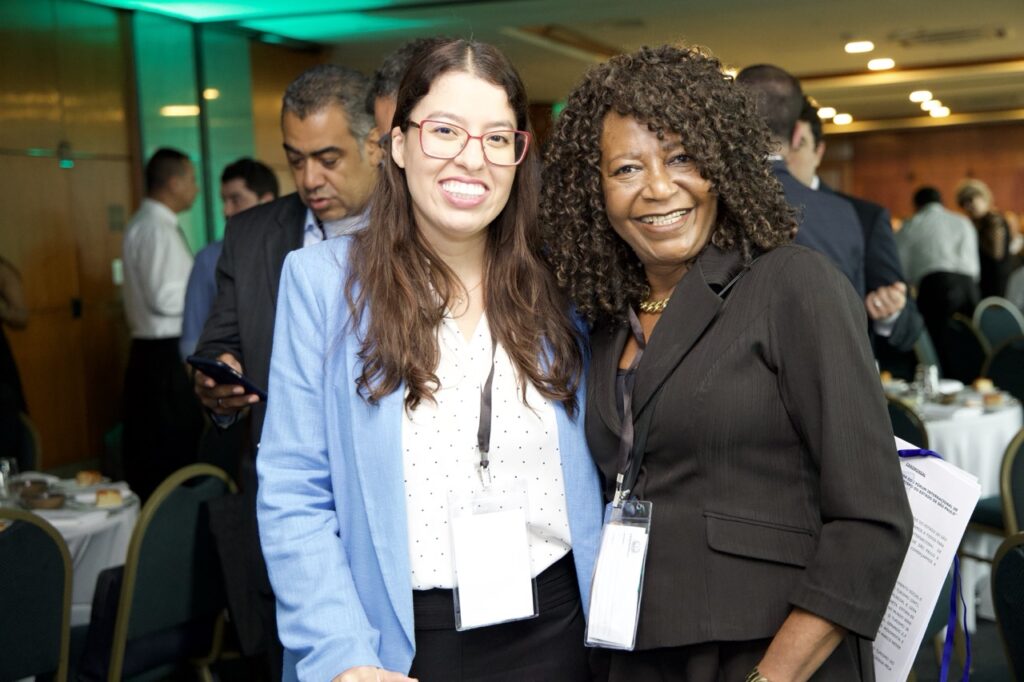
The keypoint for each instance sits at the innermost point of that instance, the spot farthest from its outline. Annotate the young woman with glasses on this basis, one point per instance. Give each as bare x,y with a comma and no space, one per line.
424,361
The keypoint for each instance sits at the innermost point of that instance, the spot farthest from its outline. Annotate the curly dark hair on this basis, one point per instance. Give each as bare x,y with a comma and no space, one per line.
673,90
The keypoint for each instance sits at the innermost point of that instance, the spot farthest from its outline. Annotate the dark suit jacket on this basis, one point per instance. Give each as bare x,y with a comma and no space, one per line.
882,268
827,224
241,321
769,460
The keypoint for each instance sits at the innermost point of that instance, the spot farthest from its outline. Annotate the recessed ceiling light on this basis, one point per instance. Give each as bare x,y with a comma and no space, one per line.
858,46
211,93
920,96
826,113
931,104
881,64
180,110
842,119
939,112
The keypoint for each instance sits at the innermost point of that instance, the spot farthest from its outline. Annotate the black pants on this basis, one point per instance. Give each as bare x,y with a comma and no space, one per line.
162,420
548,648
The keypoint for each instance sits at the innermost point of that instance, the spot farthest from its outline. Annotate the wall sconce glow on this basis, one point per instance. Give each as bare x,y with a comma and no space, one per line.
939,112
920,96
730,71
931,104
842,119
825,113
211,93
859,46
174,110
881,64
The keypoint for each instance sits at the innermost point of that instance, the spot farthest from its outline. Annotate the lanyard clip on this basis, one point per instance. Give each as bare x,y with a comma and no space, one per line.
483,470
620,494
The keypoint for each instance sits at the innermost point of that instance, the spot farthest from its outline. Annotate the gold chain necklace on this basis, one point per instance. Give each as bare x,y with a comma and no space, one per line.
654,307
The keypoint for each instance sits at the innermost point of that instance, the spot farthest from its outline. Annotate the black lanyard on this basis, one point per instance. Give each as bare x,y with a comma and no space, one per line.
483,430
626,439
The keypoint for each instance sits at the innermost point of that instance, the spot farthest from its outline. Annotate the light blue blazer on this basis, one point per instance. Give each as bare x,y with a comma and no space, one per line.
331,502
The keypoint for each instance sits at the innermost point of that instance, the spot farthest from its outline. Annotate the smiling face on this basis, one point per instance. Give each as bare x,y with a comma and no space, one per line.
333,171
655,197
456,199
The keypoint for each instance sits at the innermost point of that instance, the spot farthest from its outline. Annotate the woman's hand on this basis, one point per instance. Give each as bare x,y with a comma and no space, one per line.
369,673
800,647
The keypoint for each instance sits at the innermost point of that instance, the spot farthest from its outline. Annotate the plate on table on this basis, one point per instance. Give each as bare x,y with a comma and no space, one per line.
71,486
950,386
87,499
895,387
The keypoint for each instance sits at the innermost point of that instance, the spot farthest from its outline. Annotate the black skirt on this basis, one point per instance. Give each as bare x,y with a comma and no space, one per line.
548,648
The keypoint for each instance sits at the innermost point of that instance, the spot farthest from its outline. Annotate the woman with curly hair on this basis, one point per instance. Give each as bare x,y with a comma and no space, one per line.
425,366
731,384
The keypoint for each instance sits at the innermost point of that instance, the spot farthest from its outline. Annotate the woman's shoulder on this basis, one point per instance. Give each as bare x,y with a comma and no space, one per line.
323,267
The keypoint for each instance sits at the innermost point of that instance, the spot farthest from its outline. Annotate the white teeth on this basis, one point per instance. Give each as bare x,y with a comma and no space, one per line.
463,188
666,219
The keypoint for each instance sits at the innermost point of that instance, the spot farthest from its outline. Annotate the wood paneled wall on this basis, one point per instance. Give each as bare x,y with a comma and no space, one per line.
65,86
887,167
273,68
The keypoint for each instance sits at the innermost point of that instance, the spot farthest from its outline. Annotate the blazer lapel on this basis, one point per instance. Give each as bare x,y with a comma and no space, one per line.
694,306
606,345
285,238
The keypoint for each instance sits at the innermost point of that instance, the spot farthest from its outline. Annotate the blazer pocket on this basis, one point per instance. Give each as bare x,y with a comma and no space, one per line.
759,539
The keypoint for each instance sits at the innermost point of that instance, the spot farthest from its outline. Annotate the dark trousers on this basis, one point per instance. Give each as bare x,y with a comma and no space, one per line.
939,296
162,420
548,648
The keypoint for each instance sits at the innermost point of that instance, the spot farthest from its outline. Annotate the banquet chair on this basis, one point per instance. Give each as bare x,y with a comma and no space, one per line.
35,572
998,319
907,424
1008,599
966,349
1006,367
924,349
166,605
1002,514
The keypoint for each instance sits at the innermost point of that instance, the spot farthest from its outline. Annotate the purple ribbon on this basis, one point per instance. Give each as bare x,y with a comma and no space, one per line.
956,588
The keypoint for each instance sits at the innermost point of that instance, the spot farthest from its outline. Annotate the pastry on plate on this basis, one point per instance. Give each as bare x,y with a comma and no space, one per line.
88,477
109,497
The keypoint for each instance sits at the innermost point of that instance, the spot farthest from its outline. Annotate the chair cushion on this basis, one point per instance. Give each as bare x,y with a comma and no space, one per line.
989,512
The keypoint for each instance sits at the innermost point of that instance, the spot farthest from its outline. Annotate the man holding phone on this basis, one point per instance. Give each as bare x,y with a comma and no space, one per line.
334,164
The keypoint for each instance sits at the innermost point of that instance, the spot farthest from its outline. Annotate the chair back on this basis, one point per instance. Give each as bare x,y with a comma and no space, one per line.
907,424
35,572
998,319
1011,485
1006,367
966,350
924,349
1008,599
172,577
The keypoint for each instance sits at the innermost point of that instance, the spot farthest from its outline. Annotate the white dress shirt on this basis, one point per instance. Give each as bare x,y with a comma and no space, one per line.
937,240
157,263
441,457
314,231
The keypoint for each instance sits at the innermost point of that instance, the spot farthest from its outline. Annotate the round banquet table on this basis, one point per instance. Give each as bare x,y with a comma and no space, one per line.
976,443
97,539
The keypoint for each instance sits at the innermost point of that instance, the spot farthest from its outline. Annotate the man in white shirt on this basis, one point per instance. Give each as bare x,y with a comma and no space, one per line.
161,420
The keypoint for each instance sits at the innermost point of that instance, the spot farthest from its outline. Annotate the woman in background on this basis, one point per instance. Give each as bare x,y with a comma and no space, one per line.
994,236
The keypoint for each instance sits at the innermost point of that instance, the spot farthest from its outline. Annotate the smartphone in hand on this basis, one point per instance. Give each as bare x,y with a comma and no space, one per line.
223,373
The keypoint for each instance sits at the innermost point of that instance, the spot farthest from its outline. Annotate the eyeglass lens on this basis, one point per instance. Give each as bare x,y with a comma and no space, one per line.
445,141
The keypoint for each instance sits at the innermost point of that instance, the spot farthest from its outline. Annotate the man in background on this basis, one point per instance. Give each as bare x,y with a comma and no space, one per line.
383,95
895,321
161,421
243,184
334,163
827,223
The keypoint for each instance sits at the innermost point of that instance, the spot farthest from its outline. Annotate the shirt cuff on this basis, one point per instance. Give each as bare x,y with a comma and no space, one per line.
223,421
885,326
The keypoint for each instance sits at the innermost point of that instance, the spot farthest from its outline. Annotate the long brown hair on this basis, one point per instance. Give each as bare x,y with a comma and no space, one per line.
400,287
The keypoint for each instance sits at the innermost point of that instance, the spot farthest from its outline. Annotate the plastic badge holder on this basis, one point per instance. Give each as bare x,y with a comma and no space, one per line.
491,559
618,581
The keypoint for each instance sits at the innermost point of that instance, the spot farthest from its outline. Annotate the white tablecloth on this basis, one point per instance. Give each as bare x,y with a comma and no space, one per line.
976,444
97,540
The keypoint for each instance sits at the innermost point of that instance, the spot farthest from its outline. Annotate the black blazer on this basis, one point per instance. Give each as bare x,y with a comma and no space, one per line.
882,268
770,460
241,321
827,224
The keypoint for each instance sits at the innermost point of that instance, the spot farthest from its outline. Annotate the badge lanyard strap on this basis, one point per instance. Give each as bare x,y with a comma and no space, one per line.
626,440
957,587
483,431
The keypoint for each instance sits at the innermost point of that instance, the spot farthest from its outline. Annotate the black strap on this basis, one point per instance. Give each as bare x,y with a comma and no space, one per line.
483,431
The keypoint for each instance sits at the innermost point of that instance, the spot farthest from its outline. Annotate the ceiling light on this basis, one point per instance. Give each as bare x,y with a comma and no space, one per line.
931,104
939,112
842,119
881,64
858,46
211,93
180,110
920,96
826,113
